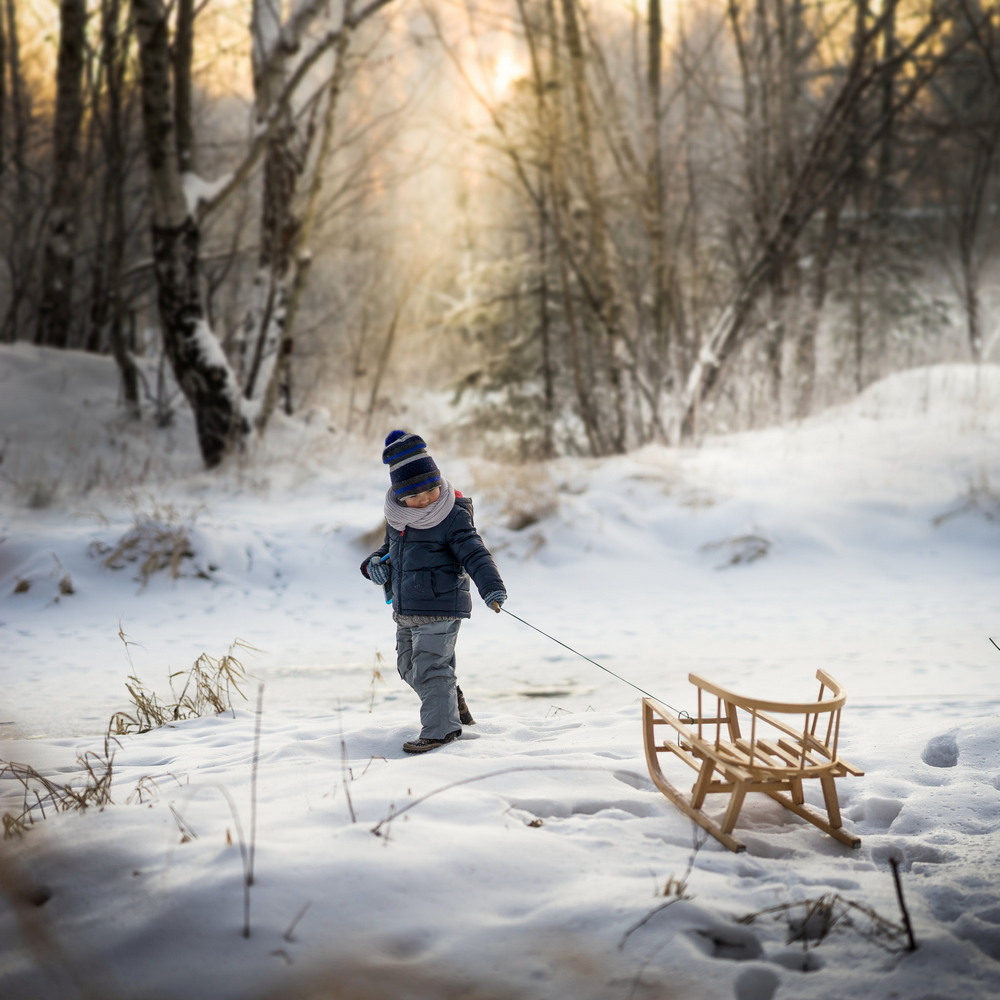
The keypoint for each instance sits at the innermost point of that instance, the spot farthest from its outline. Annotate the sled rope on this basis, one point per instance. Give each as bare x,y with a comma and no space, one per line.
589,660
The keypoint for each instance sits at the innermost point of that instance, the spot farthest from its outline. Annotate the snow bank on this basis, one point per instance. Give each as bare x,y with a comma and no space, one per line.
533,857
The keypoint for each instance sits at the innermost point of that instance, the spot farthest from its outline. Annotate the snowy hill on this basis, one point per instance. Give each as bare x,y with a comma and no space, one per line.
525,859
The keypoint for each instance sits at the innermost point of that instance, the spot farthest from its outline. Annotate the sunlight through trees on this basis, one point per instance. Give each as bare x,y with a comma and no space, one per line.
589,225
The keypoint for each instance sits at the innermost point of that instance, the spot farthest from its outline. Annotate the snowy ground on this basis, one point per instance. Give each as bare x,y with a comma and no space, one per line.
531,858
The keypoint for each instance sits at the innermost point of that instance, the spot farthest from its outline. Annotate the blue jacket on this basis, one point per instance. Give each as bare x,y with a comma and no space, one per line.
429,566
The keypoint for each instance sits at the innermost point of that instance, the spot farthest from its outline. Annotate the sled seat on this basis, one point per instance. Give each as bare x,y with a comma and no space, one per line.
738,744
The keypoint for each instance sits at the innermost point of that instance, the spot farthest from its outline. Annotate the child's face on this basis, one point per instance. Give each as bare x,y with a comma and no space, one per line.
423,499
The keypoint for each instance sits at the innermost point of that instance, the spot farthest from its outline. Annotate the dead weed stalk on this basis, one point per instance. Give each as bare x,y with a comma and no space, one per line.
377,678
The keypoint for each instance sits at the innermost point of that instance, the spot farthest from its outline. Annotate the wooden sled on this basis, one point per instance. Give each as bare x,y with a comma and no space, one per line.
750,745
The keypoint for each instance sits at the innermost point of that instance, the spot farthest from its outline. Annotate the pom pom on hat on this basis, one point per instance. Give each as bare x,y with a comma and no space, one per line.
411,469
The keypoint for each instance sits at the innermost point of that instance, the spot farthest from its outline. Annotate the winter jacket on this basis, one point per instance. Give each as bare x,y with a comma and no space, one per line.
428,566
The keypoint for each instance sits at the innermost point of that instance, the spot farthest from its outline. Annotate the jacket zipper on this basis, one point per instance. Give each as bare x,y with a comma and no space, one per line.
401,534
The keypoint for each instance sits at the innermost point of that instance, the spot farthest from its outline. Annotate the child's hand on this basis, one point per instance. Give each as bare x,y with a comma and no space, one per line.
495,599
378,571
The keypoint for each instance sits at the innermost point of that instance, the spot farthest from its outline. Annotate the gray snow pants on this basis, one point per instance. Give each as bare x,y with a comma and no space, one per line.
425,659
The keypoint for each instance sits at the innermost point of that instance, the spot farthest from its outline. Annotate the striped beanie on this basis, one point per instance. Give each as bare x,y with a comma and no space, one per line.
411,469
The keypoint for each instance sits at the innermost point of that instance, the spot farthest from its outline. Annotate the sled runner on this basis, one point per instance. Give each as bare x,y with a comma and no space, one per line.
750,745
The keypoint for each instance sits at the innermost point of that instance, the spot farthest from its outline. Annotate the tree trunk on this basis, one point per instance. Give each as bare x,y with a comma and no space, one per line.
197,360
858,188
3,91
56,306
545,335
23,262
805,343
554,129
183,59
544,214
608,352
656,200
19,100
108,304
268,340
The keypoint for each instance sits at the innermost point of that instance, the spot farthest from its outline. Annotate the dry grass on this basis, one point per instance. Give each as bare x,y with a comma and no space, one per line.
741,549
524,494
371,540
158,541
58,575
207,689
980,498
41,795
811,921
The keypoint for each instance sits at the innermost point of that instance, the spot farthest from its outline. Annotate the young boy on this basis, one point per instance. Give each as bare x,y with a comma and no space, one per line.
431,549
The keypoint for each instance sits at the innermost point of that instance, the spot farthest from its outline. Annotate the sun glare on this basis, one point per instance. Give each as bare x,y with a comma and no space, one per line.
507,70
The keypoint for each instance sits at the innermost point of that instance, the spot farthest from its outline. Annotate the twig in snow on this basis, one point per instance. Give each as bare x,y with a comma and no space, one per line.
394,812
288,935
344,771
676,888
253,782
902,905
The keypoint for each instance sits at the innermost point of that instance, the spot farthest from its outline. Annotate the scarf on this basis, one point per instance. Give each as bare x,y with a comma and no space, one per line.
402,517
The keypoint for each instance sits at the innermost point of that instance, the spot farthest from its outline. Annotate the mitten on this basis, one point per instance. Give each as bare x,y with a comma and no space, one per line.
378,571
495,598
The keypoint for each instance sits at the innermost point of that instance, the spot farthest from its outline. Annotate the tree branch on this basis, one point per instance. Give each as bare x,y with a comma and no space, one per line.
267,127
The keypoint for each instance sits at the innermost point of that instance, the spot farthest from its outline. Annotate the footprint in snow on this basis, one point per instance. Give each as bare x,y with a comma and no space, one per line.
731,943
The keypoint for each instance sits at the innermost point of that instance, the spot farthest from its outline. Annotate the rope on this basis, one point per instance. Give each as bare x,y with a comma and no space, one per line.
589,660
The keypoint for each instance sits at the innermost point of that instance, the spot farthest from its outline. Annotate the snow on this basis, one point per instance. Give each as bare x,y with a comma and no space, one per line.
199,190
533,857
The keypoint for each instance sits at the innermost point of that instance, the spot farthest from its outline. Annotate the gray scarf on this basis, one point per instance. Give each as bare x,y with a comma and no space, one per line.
402,517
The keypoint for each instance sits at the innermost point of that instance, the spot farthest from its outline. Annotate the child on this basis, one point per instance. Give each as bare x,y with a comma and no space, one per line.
431,549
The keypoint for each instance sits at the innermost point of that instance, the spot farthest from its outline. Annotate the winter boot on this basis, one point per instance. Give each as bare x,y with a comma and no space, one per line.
422,745
464,715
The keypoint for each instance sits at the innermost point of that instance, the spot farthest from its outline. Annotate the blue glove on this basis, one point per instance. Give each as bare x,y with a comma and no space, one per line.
495,598
378,571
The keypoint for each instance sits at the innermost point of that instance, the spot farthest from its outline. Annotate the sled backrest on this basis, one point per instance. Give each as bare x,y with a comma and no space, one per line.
772,736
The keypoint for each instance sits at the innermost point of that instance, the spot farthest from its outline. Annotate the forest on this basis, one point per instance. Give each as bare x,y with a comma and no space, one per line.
588,225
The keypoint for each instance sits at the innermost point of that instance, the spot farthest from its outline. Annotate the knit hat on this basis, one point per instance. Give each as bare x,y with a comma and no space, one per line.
411,469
